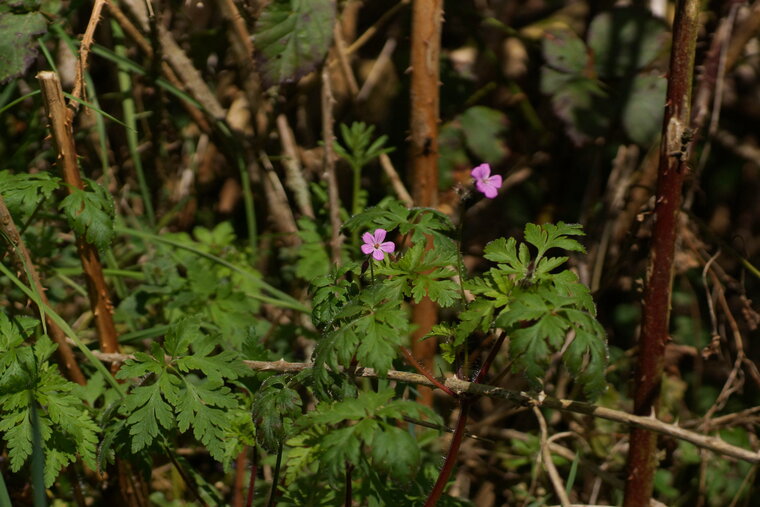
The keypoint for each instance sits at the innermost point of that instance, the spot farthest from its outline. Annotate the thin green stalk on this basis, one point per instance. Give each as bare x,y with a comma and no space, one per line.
128,104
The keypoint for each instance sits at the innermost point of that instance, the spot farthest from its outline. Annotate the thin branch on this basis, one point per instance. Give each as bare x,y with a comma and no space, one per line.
458,386
84,51
294,178
546,458
328,137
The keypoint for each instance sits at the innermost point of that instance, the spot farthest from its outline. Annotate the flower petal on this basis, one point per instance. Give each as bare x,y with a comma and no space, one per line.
380,235
388,246
482,186
378,255
367,248
481,172
495,180
490,191
368,239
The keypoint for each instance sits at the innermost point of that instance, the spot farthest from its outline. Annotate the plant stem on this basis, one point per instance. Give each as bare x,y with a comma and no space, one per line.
252,480
275,477
349,487
451,456
674,154
427,18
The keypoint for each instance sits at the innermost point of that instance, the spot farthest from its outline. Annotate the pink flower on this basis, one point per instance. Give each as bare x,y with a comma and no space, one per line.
373,244
486,183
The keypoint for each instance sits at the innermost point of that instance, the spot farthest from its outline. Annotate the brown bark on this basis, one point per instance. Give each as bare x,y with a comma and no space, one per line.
63,137
674,154
427,17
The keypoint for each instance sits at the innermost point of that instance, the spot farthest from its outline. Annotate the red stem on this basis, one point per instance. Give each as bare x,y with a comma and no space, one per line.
420,368
674,154
252,480
451,456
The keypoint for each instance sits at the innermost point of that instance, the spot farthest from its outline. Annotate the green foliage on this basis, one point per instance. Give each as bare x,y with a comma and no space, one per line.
18,33
626,39
91,213
359,148
292,37
275,408
345,431
29,381
477,134
24,192
621,43
421,273
416,222
313,259
171,394
537,307
368,327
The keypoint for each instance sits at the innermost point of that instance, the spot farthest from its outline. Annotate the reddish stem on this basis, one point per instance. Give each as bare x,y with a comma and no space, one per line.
674,153
451,456
420,368
252,480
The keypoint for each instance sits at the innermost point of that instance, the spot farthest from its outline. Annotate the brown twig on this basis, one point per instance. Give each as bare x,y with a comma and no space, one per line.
328,138
294,178
134,34
24,264
460,387
63,137
372,30
546,459
84,51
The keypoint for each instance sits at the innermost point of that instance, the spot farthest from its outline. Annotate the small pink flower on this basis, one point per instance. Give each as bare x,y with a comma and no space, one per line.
373,244
486,183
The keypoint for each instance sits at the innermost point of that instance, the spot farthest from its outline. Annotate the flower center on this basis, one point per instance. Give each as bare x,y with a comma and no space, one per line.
377,246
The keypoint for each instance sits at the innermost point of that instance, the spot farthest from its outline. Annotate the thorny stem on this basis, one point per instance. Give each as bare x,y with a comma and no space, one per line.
674,154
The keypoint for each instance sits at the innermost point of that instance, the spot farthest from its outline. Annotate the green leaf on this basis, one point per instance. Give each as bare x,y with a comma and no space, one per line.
292,37
565,51
547,236
395,452
17,42
586,357
148,409
91,213
203,405
625,39
313,259
582,104
275,408
483,130
644,108
24,192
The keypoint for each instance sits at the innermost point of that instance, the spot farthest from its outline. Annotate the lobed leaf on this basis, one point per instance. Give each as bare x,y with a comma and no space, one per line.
292,37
